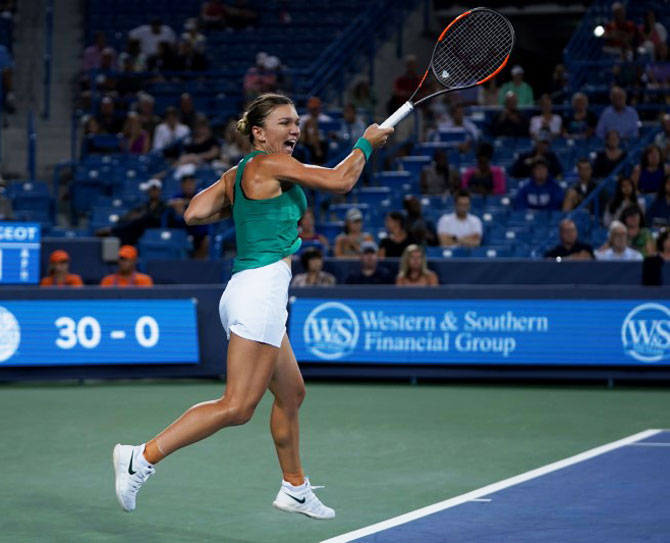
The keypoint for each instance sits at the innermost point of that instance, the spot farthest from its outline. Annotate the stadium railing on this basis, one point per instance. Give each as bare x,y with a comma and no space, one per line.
48,54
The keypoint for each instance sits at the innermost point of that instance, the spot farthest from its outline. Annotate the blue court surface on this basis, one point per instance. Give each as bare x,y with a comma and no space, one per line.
616,493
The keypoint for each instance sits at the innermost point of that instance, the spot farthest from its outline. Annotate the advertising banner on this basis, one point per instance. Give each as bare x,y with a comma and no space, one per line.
470,332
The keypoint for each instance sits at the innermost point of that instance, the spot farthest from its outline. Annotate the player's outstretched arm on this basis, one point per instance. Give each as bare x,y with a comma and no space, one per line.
212,204
340,179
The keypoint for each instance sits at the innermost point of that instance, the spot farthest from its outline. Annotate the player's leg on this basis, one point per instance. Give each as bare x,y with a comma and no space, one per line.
296,495
250,367
288,389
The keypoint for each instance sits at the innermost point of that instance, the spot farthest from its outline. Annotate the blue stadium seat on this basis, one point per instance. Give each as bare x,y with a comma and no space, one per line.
164,243
330,229
415,164
398,181
84,193
375,196
428,148
22,188
452,135
105,216
37,207
447,252
491,251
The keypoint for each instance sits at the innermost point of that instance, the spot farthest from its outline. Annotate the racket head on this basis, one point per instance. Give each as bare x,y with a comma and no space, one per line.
472,49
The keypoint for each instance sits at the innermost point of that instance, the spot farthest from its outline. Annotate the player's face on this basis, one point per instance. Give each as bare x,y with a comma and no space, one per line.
281,131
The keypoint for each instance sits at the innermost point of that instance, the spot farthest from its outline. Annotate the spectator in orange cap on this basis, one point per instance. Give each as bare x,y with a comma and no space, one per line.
126,275
59,268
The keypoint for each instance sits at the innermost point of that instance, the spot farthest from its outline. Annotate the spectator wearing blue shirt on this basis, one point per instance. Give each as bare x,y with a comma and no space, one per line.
540,191
620,117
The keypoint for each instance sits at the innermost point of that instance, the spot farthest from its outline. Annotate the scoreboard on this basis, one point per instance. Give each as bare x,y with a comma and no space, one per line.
98,332
19,253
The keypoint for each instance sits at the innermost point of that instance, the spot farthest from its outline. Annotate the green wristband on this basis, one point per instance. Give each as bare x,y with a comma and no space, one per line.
365,146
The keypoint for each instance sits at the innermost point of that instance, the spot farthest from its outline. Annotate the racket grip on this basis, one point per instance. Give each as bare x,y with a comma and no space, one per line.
398,115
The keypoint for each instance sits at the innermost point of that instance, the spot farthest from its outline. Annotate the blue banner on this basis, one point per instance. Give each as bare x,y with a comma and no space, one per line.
19,252
538,332
94,332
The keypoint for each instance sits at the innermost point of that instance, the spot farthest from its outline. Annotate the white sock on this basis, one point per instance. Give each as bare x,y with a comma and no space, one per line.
303,486
139,456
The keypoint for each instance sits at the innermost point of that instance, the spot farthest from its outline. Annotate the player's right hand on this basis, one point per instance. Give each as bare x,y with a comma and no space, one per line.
377,136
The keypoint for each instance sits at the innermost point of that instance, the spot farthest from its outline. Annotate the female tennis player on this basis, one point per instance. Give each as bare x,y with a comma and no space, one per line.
265,194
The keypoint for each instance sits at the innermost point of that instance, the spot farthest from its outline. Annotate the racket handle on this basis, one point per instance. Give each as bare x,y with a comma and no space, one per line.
398,115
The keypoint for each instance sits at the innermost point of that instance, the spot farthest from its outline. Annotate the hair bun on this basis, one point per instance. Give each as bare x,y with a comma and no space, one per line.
243,125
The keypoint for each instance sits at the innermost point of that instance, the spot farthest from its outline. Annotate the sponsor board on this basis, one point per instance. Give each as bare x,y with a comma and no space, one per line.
565,332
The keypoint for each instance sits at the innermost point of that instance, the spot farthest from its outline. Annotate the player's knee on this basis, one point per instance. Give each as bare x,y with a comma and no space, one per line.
300,395
241,413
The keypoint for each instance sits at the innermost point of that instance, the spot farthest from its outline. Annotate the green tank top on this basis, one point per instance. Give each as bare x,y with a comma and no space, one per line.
266,230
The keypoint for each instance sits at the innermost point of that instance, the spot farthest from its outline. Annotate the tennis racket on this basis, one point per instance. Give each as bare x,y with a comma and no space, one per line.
472,49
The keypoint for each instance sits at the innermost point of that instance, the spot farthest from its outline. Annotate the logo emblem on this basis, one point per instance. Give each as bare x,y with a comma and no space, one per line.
331,331
296,499
10,334
131,471
645,333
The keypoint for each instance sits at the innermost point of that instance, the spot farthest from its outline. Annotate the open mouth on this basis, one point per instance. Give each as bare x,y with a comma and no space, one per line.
289,145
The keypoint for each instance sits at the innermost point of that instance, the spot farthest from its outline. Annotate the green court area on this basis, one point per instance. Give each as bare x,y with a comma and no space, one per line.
381,450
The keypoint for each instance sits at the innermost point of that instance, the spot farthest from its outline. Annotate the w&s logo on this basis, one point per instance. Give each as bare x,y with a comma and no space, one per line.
331,331
645,333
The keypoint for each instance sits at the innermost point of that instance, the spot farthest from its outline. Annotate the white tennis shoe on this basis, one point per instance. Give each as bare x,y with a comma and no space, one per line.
301,499
131,470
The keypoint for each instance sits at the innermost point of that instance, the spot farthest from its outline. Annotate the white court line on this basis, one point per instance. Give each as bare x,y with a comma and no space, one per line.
489,489
649,444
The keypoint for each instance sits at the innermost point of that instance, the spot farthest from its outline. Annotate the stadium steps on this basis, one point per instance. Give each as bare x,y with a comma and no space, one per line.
53,135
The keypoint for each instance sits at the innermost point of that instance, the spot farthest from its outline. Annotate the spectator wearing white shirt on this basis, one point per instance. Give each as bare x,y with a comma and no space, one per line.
170,130
151,35
616,247
546,121
460,228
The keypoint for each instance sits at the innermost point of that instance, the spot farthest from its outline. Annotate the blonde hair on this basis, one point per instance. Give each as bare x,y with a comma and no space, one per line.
258,110
404,260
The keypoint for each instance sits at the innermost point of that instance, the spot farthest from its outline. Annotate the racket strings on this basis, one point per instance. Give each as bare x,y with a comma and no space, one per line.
472,49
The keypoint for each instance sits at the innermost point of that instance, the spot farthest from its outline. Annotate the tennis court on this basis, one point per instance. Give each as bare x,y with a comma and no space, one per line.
381,450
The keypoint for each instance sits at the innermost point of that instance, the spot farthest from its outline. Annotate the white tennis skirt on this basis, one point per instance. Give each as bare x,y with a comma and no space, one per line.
254,303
